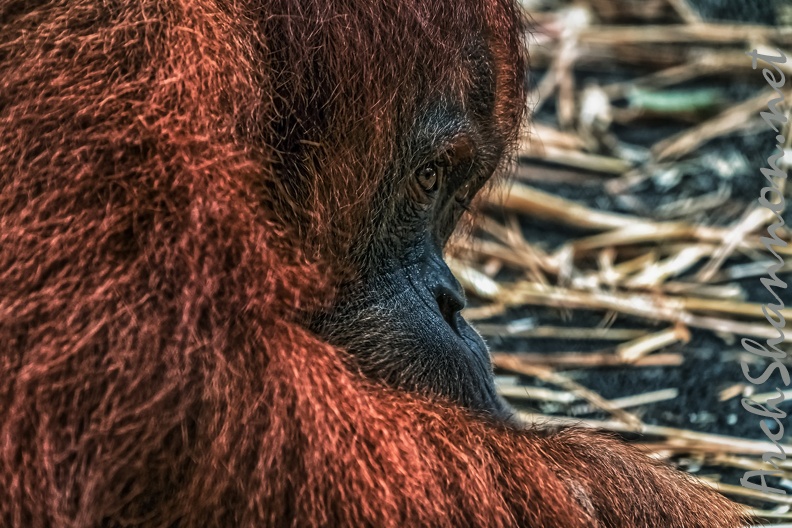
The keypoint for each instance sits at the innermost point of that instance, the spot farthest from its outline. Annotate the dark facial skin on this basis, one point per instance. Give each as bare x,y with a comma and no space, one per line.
400,319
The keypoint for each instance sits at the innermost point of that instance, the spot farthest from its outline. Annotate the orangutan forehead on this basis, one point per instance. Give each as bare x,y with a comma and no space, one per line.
463,104
478,64
485,77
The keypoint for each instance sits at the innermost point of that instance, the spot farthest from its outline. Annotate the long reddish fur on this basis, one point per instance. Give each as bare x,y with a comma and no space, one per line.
155,271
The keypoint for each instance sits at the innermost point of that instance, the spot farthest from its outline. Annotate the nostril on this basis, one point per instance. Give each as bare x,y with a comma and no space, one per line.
450,304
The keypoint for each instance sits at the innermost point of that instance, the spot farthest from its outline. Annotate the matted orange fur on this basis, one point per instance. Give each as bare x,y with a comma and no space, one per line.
180,182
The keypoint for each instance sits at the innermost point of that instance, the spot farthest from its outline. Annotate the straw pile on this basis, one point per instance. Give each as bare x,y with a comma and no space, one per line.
635,199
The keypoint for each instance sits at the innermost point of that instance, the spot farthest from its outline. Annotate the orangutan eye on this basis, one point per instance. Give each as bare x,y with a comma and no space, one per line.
465,194
428,177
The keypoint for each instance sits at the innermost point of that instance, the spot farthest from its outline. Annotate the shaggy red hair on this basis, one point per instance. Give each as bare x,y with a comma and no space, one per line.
179,181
